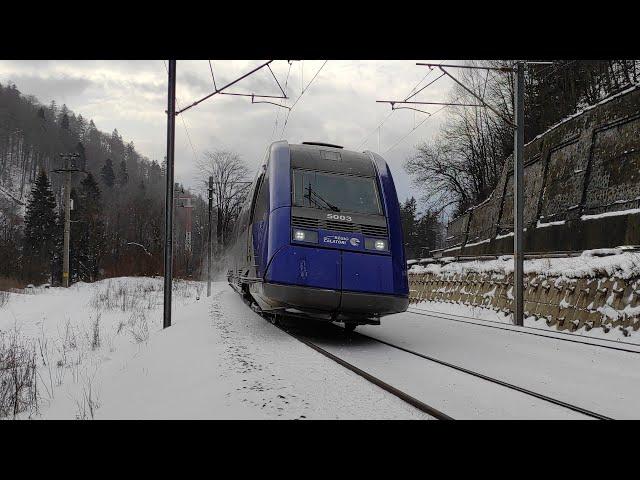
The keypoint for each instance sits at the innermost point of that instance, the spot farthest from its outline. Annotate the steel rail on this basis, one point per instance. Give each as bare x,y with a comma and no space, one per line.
435,313
423,407
502,383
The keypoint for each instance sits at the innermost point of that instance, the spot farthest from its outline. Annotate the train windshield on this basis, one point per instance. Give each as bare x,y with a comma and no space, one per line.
335,192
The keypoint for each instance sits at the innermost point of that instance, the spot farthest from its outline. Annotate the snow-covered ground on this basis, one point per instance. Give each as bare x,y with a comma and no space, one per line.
102,354
599,379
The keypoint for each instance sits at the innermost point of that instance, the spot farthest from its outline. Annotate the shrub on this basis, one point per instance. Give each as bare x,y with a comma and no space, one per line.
18,369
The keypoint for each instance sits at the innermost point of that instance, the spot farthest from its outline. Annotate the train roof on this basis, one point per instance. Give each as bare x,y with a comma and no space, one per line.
329,158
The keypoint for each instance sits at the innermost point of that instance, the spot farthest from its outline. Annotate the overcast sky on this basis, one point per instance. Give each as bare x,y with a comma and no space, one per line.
338,107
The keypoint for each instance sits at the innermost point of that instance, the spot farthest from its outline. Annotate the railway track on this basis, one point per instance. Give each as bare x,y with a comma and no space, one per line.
496,381
562,336
423,407
420,405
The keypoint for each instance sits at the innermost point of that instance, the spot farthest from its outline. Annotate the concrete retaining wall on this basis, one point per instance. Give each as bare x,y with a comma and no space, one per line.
564,303
582,167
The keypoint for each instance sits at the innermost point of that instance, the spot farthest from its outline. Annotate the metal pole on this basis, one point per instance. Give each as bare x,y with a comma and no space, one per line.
219,231
67,225
209,239
518,198
168,204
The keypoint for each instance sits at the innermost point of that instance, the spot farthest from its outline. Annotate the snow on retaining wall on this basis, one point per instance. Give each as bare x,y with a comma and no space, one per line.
599,289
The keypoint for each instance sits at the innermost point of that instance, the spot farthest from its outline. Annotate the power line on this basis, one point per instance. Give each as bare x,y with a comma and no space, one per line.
416,127
275,125
468,90
445,105
448,104
195,155
430,83
219,90
212,76
374,130
411,94
276,79
421,80
304,89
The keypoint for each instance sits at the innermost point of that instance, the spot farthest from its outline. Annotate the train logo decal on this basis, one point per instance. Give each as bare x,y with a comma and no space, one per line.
336,239
355,242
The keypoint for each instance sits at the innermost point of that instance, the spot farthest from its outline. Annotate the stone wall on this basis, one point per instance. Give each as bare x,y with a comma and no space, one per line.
586,165
605,301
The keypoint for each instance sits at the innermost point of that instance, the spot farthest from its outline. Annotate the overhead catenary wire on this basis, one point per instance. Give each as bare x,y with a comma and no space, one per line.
275,124
410,94
304,90
184,123
421,80
428,84
415,128
220,90
439,110
212,76
375,129
251,95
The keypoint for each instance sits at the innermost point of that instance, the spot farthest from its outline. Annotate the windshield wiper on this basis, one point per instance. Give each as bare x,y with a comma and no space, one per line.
330,205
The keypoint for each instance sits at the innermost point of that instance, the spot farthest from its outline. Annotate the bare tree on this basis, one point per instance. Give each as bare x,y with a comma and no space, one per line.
230,186
461,167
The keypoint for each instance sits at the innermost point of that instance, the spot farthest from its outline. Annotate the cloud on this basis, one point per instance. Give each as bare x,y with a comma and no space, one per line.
338,107
60,88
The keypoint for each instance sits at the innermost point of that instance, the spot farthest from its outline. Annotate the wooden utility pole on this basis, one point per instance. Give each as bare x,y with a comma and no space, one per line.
68,167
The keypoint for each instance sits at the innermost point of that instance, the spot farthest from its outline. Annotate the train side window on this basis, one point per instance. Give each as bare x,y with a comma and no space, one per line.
254,197
261,205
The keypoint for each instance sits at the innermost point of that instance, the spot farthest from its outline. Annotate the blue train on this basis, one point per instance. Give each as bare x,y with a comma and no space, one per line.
319,236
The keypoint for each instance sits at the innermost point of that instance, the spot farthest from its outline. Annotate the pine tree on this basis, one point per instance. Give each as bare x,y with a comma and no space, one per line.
40,231
81,127
82,156
108,177
64,117
89,236
409,223
427,233
123,175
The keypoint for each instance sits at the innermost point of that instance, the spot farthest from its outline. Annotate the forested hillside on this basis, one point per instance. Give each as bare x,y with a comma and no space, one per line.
118,201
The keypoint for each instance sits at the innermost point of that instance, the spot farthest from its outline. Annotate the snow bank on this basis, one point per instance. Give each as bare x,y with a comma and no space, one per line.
615,262
102,353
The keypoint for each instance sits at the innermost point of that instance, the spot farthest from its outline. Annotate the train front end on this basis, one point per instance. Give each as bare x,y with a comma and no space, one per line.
335,243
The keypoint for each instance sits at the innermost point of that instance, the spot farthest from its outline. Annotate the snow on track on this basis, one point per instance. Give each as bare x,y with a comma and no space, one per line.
454,393
597,379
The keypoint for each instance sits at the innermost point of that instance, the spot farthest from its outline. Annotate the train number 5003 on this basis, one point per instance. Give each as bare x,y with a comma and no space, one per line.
333,216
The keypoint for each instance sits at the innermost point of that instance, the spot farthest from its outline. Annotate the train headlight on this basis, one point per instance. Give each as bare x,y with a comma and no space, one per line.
305,236
376,244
